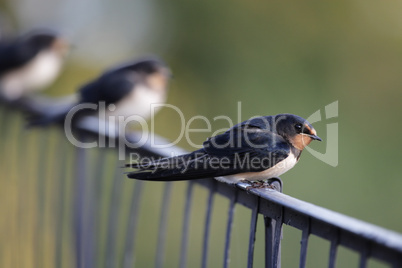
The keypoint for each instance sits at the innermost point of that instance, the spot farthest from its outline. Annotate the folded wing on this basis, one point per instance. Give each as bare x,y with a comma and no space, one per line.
240,149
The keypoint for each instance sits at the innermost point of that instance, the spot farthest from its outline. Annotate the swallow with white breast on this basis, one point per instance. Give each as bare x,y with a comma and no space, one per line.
254,150
30,62
130,88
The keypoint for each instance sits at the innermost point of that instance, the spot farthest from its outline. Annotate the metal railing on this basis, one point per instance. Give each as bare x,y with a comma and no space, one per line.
94,213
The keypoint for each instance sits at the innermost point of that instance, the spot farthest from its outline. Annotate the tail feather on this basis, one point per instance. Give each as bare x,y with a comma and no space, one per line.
168,161
183,167
175,174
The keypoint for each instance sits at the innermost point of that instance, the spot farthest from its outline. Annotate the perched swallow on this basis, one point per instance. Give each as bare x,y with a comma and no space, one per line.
30,62
130,88
254,150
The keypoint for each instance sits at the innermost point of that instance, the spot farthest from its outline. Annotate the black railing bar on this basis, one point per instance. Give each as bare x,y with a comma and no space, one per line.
229,225
2,112
131,233
273,236
89,213
269,242
298,219
348,239
7,132
363,260
333,249
15,169
111,259
253,229
277,239
384,237
27,105
327,220
186,226
79,211
397,263
163,223
41,201
364,255
207,225
2,134
98,186
90,125
229,190
244,197
272,240
248,201
379,235
304,245
5,115
18,158
60,210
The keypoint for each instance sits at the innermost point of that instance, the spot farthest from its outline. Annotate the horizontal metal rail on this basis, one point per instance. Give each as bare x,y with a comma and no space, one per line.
368,240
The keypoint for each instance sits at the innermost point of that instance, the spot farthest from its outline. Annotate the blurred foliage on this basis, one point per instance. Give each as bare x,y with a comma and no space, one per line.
273,57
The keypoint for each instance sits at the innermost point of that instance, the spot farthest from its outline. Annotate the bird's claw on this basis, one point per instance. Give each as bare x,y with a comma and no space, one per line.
263,184
257,184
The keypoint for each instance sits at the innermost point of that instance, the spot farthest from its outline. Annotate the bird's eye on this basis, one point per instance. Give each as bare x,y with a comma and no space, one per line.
298,128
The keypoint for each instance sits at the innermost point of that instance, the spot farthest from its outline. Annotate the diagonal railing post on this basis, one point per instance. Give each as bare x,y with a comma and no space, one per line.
253,229
273,232
186,225
229,226
84,247
160,248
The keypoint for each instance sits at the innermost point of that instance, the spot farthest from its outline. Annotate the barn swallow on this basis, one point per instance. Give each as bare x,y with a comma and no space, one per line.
254,150
30,62
131,88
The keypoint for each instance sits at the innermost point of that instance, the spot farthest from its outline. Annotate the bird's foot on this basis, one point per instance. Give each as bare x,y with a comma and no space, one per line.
256,184
274,184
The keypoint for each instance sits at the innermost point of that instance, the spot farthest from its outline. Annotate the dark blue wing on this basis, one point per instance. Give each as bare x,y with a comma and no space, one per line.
14,55
241,149
110,88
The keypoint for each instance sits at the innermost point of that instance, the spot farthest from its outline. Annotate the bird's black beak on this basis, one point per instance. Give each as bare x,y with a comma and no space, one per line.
315,137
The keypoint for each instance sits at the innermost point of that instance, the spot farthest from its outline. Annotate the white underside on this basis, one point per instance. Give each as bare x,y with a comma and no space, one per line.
136,108
275,171
37,74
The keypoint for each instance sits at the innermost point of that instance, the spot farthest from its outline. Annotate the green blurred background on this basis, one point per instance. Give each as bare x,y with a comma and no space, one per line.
273,57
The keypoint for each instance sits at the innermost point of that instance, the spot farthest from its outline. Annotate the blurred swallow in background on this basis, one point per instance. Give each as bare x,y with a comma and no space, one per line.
126,90
30,62
254,150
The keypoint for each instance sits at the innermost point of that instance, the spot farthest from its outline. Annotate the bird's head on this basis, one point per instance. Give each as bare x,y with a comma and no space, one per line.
39,40
154,73
298,131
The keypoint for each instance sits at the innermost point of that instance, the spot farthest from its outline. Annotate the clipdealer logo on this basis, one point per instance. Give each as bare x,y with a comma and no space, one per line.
330,156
